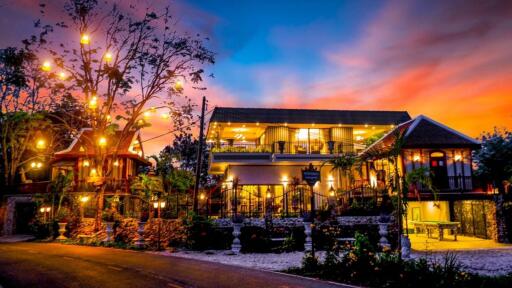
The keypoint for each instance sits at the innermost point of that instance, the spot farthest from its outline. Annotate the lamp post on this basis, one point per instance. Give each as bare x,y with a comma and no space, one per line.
83,200
159,205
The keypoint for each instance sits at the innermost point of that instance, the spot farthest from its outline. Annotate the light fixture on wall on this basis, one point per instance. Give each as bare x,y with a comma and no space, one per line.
416,158
458,157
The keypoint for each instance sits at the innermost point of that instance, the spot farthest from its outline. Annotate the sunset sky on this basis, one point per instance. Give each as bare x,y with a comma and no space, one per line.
449,60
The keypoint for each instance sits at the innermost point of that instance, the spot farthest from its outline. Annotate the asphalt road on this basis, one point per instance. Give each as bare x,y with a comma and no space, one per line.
57,265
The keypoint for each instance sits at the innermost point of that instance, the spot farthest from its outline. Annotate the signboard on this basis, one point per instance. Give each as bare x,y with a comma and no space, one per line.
311,175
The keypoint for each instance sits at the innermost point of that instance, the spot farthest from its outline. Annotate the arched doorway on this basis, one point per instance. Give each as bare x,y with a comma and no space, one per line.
439,169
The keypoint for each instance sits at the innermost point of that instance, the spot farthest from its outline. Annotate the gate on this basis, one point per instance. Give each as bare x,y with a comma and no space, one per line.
472,218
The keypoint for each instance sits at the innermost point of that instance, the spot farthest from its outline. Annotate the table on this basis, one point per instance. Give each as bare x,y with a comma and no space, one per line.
429,226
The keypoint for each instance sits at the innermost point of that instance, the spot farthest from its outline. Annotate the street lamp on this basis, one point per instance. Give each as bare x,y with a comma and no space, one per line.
45,210
102,142
159,205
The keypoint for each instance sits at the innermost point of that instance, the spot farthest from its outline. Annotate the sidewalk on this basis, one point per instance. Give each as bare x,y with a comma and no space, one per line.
16,238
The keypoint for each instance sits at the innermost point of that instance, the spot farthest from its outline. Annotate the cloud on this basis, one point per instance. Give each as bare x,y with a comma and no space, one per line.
450,60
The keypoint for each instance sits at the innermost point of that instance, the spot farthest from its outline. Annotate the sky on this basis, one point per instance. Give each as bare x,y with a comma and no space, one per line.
449,60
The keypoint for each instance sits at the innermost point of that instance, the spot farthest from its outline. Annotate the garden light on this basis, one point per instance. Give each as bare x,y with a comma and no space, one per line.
85,39
63,76
108,57
102,142
47,66
201,196
84,199
40,144
93,103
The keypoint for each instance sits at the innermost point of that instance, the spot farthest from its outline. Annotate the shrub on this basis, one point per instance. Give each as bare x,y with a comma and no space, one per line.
255,240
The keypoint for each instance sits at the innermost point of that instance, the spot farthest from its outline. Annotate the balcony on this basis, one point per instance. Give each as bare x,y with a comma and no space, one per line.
115,185
282,147
454,185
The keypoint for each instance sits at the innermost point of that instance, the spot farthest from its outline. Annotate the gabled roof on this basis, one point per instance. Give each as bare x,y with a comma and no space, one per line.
83,145
300,116
423,132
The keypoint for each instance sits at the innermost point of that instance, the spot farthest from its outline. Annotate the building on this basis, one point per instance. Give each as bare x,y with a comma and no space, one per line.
455,194
261,152
125,157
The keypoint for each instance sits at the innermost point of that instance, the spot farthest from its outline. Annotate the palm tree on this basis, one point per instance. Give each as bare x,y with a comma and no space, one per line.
343,165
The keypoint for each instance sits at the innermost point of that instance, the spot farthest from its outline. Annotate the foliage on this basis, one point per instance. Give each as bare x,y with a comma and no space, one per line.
202,234
362,208
361,265
494,159
374,138
344,165
255,239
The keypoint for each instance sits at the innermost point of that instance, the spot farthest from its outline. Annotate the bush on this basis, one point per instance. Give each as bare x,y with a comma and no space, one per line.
202,234
361,265
255,240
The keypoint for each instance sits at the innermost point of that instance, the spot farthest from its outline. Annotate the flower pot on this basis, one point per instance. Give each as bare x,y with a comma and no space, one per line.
62,230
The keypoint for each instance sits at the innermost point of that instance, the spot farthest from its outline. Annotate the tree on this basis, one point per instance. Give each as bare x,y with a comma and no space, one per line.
122,63
344,164
182,154
494,159
494,165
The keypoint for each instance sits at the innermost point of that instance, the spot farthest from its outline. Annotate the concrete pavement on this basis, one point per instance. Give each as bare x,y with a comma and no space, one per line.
57,265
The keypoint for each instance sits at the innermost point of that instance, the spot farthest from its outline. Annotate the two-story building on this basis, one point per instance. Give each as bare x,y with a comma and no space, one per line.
445,154
261,153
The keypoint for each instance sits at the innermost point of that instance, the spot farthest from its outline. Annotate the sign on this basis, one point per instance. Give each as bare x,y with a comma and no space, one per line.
311,175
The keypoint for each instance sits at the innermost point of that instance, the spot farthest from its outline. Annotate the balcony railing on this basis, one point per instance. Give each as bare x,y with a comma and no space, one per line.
121,185
282,147
452,184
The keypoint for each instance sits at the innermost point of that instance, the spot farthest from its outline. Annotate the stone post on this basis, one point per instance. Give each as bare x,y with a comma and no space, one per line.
406,246
383,233
139,243
109,229
236,246
308,244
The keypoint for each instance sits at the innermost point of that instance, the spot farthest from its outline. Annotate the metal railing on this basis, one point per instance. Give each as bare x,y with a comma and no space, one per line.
282,147
452,184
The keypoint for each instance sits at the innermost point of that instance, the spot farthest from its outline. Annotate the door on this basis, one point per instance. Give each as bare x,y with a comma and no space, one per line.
439,170
24,215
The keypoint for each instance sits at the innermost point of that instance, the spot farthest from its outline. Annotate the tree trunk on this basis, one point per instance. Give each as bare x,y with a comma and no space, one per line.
99,207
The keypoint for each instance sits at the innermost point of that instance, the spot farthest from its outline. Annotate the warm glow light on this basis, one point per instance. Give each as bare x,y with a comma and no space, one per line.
416,158
39,165
140,122
366,125
147,114
84,199
257,123
162,204
155,205
33,164
102,141
331,192
41,210
63,75
93,172
108,117
85,39
48,209
93,103
40,144
458,157
201,196
165,115
116,163
284,180
85,163
108,57
47,66
269,195
178,85
359,138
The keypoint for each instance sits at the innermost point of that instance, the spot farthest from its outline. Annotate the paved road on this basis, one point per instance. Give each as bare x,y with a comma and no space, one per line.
57,265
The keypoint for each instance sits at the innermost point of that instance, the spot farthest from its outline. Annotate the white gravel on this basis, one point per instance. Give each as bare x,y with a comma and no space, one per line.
487,262
482,261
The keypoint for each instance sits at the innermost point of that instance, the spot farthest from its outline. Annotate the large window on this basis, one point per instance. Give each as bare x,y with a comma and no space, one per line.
308,141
